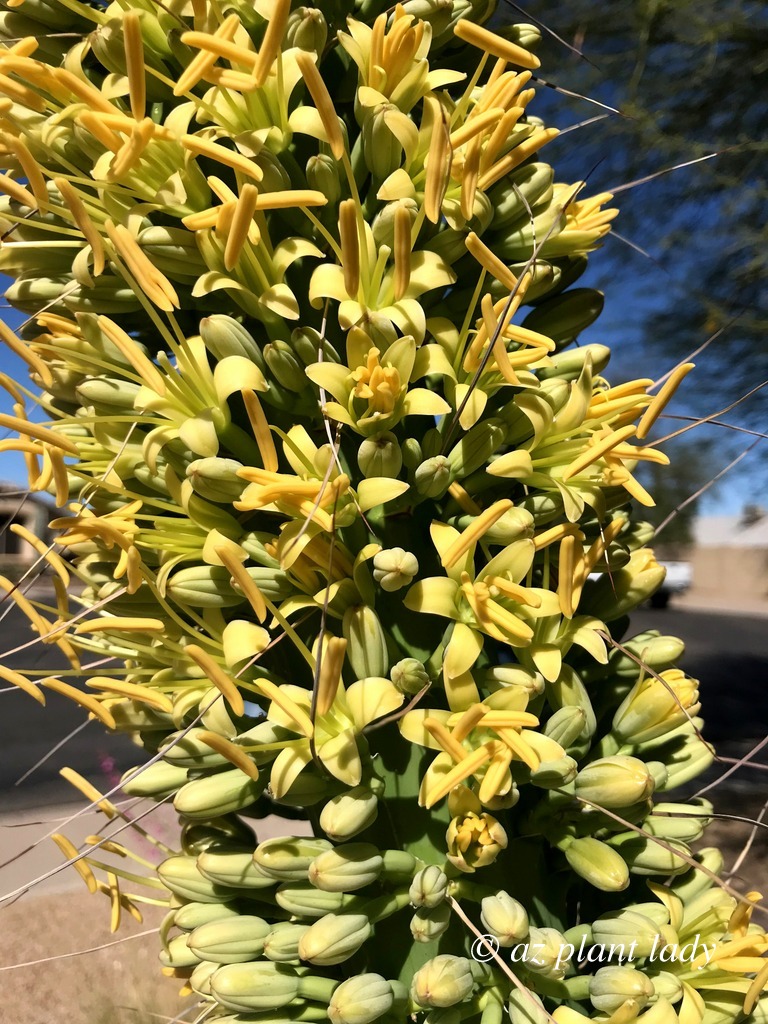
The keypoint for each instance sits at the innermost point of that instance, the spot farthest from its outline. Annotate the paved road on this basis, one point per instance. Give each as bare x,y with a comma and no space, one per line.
728,653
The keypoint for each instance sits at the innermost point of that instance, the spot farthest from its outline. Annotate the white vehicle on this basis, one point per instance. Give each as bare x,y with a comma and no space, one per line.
678,579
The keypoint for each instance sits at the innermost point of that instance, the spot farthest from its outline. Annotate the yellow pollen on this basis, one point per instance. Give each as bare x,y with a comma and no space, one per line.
661,400
156,285
333,653
377,384
242,219
125,344
475,126
202,63
9,675
261,431
556,533
438,161
490,262
402,250
322,100
218,677
86,700
221,46
597,450
240,575
495,777
273,38
132,691
134,63
566,571
498,585
461,771
491,43
520,153
19,348
446,740
475,531
206,148
35,430
233,753
81,218
350,246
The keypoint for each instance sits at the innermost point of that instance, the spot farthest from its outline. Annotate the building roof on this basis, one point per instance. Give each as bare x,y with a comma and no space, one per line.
730,532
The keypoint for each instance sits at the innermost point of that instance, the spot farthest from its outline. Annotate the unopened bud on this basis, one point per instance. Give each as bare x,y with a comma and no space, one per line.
394,568
652,707
444,980
549,958
611,987
427,925
617,781
409,675
429,887
334,938
504,917
307,29
380,455
433,477
288,858
624,927
323,176
348,813
346,868
361,1000
598,864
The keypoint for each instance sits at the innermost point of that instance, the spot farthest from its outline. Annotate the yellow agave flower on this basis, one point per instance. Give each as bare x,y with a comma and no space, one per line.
392,61
334,738
479,743
491,602
372,392
377,288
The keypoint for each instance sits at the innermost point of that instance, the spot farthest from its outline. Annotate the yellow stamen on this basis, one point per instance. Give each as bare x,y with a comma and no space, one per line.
554,534
475,126
446,740
661,400
233,753
516,156
242,219
261,431
475,531
156,285
55,561
77,208
16,191
129,154
121,623
227,157
290,199
462,498
84,699
495,776
489,261
221,46
510,623
36,430
272,41
21,94
466,767
523,750
134,63
438,161
289,707
86,93
218,677
598,548
29,167
127,347
202,63
514,591
470,175
239,574
480,37
322,100
17,679
350,246
566,570
467,721
755,990
596,451
508,720
133,691
402,250
81,866
333,653
500,137
91,794
19,348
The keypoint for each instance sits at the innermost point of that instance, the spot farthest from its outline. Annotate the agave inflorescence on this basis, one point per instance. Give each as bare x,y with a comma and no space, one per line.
352,531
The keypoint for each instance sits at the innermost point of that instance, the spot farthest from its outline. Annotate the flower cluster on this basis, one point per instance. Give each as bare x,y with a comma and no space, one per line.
348,515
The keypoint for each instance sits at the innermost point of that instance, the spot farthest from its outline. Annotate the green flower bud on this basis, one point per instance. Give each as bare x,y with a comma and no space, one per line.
285,367
526,1008
255,986
412,453
656,651
475,448
182,876
366,643
429,887
527,36
625,927
653,708
598,864
444,980
569,364
504,917
614,596
667,986
349,813
429,924
382,146
216,479
346,868
307,29
302,899
223,336
380,455
694,882
548,957
555,773
433,477
647,857
361,1000
200,978
288,858
334,938
409,675
234,869
617,781
566,725
611,987
563,317
232,941
323,176
394,568
192,915
157,781
217,794
282,944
